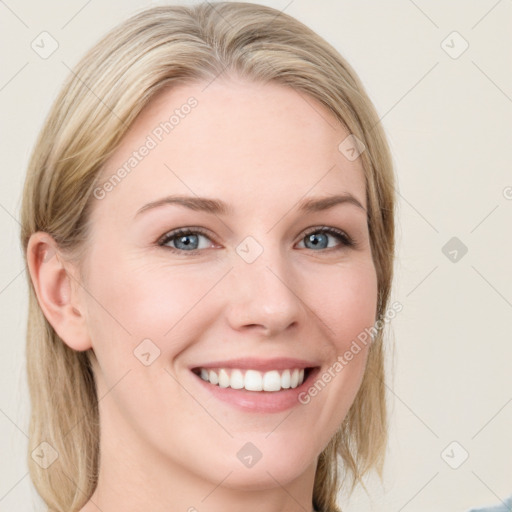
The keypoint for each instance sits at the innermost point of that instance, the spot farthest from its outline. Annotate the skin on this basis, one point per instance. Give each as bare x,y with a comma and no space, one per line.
167,444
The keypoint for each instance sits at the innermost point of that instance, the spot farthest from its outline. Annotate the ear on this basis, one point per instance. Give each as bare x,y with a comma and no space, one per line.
55,289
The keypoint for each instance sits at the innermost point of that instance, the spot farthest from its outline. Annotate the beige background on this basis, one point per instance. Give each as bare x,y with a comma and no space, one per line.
448,119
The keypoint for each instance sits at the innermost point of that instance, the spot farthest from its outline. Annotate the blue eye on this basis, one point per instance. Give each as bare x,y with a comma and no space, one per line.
184,239
318,237
188,239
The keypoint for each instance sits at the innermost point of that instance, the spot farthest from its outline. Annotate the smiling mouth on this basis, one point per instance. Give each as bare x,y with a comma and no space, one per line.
254,380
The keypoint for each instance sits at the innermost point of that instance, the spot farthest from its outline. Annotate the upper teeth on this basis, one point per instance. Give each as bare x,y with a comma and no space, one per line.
253,380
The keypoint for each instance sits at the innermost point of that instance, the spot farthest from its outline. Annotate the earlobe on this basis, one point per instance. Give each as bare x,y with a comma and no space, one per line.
55,291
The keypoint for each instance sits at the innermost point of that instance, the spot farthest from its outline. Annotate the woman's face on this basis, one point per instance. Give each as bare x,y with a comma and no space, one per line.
254,285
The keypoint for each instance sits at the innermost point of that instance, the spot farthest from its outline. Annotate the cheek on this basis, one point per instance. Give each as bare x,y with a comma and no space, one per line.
169,304
130,303
348,302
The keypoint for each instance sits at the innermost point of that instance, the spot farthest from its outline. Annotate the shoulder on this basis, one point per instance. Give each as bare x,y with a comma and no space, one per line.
505,506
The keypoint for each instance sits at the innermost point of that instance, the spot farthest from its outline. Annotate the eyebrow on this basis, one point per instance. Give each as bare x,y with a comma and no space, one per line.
218,207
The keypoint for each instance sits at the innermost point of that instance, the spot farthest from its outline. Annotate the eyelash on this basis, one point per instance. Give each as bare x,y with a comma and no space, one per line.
346,241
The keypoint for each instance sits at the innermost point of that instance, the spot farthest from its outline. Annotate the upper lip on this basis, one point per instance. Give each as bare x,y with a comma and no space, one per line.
246,363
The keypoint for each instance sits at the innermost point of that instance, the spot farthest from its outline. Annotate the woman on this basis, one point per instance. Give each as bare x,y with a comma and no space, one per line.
208,224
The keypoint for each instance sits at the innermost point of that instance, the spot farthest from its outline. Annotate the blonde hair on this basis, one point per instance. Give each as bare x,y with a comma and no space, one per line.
108,88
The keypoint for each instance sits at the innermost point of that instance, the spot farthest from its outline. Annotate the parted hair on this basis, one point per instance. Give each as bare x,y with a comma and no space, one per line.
152,50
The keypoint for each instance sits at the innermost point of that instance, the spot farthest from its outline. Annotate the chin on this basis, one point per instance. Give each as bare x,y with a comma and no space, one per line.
261,477
283,465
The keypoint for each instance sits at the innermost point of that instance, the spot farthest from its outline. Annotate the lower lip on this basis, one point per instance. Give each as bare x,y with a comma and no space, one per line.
259,401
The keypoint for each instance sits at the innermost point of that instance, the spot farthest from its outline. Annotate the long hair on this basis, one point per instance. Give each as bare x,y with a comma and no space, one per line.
99,101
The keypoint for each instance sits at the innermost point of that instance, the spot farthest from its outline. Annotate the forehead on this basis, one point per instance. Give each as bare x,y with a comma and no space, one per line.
253,145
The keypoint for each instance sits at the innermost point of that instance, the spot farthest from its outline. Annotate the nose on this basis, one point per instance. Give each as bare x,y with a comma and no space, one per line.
263,295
